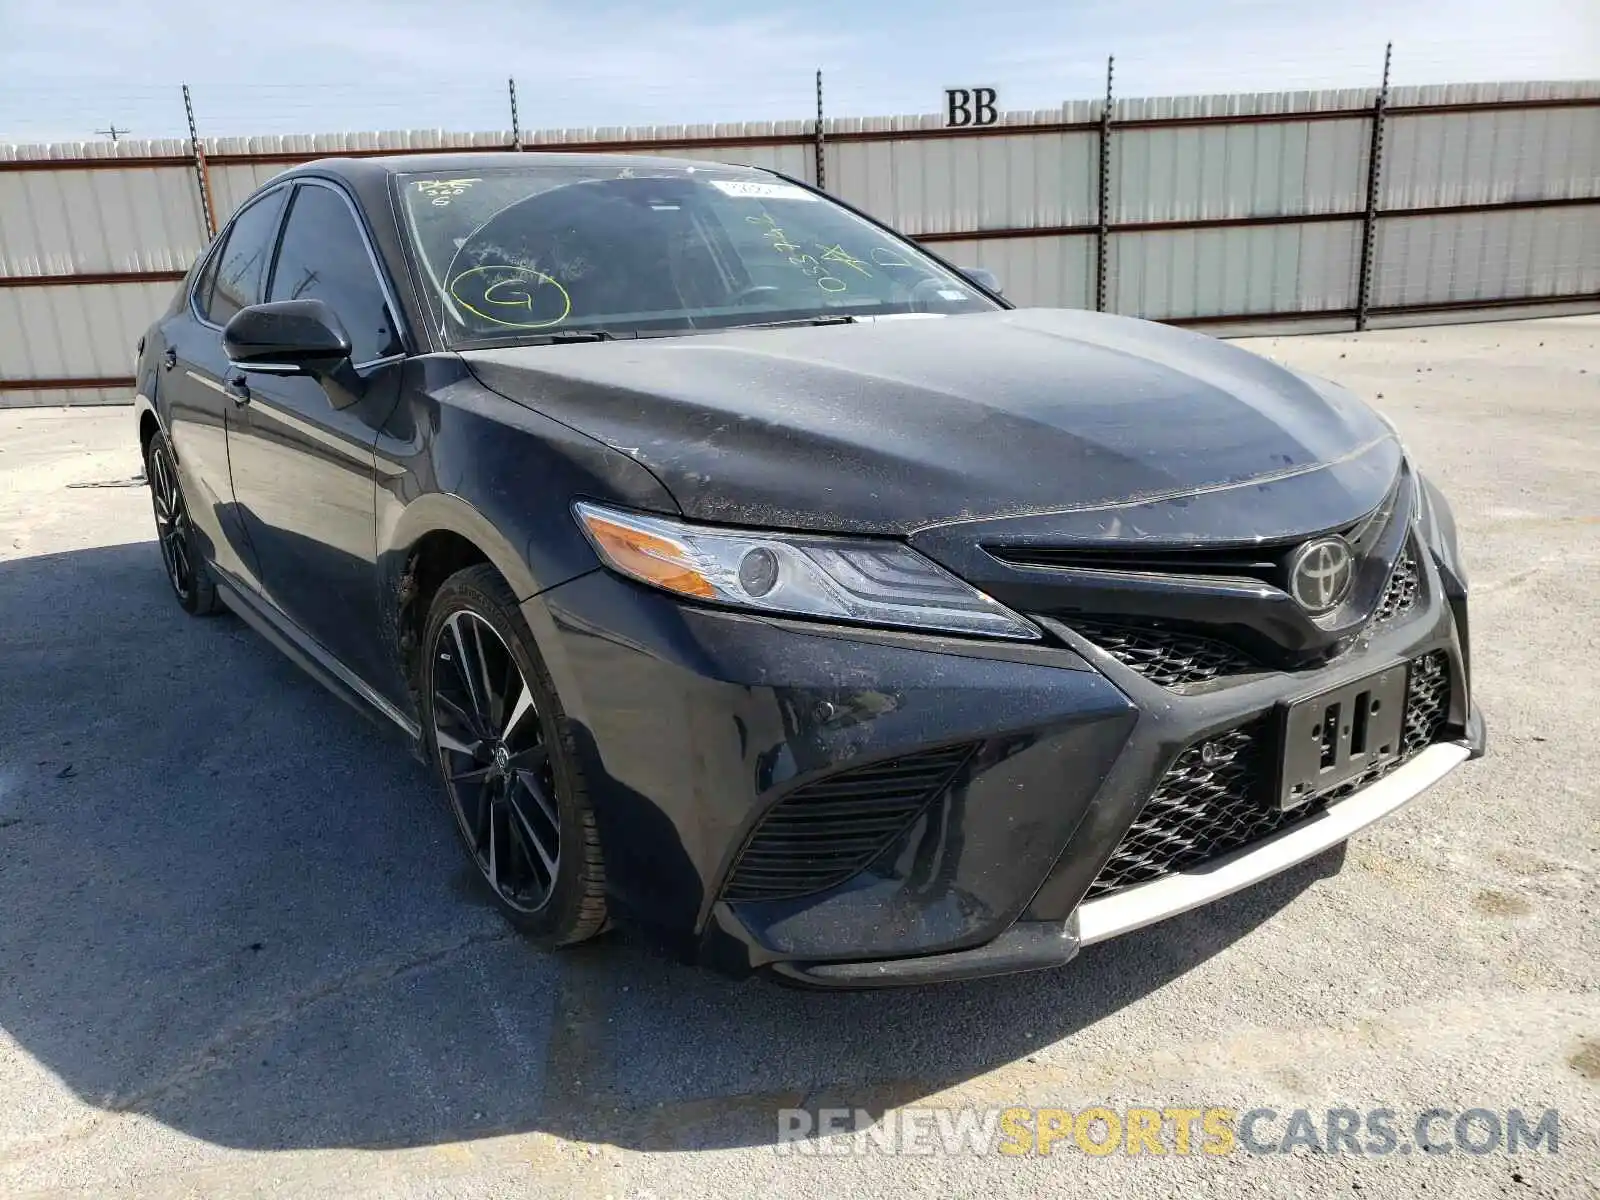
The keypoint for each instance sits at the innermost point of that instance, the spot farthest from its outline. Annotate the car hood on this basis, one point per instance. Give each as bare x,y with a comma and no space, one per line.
1030,416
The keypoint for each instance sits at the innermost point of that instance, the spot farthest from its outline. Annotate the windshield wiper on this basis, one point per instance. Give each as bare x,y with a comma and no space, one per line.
563,336
824,319
575,335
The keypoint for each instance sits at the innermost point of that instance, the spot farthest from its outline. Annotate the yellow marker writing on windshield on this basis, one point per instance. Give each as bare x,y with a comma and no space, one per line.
840,255
510,292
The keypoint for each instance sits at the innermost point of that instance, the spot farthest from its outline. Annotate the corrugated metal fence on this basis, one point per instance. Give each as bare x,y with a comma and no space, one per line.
1241,212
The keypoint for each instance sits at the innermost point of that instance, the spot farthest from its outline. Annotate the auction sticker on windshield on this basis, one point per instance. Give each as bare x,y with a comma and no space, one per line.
750,189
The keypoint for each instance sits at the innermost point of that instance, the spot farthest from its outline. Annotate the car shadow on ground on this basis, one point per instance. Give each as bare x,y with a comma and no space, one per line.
233,905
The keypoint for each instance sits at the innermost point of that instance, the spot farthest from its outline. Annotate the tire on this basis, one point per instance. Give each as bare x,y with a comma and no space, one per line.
510,774
187,575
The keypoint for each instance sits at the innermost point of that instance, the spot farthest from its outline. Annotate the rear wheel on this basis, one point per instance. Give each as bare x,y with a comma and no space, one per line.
496,730
186,572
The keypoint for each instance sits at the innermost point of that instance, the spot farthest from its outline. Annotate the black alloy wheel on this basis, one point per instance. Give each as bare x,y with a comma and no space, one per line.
191,583
493,725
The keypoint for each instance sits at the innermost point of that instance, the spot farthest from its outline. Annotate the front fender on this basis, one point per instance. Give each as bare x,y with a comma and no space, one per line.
457,458
444,512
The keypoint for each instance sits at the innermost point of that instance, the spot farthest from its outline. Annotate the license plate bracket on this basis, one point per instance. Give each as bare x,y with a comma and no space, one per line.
1338,734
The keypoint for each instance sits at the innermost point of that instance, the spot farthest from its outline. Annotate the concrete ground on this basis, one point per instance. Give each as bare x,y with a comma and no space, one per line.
240,953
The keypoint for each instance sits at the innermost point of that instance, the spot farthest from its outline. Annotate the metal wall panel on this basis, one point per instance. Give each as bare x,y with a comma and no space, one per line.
1261,269
1045,272
1242,104
1239,170
1030,173
951,185
75,331
1485,157
1487,256
1209,171
78,222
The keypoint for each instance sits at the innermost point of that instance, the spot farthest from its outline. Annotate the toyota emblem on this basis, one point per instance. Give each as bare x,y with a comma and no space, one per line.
1321,573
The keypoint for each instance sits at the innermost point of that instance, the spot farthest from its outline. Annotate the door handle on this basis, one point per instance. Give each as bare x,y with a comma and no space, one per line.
239,390
170,358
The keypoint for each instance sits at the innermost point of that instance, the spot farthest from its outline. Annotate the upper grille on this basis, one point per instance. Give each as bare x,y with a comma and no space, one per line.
1198,812
822,833
1261,563
1165,656
1265,562
1404,586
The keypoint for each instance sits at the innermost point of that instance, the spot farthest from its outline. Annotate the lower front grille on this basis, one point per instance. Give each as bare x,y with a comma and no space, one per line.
1218,794
1167,657
1427,702
823,832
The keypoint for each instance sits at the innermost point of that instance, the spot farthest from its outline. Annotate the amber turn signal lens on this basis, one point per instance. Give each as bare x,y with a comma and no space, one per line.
657,560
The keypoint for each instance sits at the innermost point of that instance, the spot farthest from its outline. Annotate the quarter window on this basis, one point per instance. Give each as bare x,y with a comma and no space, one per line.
242,265
206,281
323,257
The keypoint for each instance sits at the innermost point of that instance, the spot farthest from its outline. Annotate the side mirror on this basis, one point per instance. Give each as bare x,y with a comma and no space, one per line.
286,337
984,278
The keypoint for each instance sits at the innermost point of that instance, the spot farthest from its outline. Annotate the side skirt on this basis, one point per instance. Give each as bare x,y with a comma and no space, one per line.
288,637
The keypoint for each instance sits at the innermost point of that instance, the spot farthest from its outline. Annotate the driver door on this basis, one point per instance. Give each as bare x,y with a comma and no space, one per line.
304,475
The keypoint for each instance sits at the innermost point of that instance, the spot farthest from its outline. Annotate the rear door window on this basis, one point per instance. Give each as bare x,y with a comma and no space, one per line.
242,265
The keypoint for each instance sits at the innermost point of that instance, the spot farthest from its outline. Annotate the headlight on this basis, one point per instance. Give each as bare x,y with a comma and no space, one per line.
874,582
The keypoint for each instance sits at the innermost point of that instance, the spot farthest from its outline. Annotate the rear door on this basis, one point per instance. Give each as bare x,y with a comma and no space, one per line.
304,475
193,381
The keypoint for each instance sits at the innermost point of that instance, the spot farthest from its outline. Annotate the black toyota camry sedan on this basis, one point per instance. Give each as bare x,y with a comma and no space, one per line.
745,571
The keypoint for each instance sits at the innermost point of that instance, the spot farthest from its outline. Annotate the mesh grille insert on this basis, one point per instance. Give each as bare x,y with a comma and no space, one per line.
1198,811
1427,702
1165,656
1403,589
823,832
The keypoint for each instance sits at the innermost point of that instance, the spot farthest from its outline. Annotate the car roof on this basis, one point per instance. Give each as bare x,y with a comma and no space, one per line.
368,176
367,169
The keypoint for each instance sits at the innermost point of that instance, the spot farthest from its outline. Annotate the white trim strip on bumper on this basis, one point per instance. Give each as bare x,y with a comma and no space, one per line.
1150,902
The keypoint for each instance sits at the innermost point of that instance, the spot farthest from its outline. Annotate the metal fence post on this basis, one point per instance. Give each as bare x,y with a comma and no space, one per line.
1103,230
1369,222
516,129
821,164
202,173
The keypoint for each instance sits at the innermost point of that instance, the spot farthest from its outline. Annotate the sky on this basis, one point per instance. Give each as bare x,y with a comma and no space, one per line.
71,67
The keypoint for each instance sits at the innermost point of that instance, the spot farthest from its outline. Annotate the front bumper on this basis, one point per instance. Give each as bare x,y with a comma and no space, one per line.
1033,945
693,724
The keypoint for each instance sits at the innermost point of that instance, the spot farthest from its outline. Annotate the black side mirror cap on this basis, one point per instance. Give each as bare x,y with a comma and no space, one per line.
286,336
984,278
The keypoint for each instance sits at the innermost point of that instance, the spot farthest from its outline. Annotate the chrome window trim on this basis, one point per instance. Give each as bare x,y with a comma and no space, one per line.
218,242
396,313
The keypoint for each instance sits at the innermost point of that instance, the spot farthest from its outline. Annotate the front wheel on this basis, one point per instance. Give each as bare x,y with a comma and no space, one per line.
186,572
494,726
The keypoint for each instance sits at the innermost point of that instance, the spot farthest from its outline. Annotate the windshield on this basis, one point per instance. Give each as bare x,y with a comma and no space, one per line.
542,252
